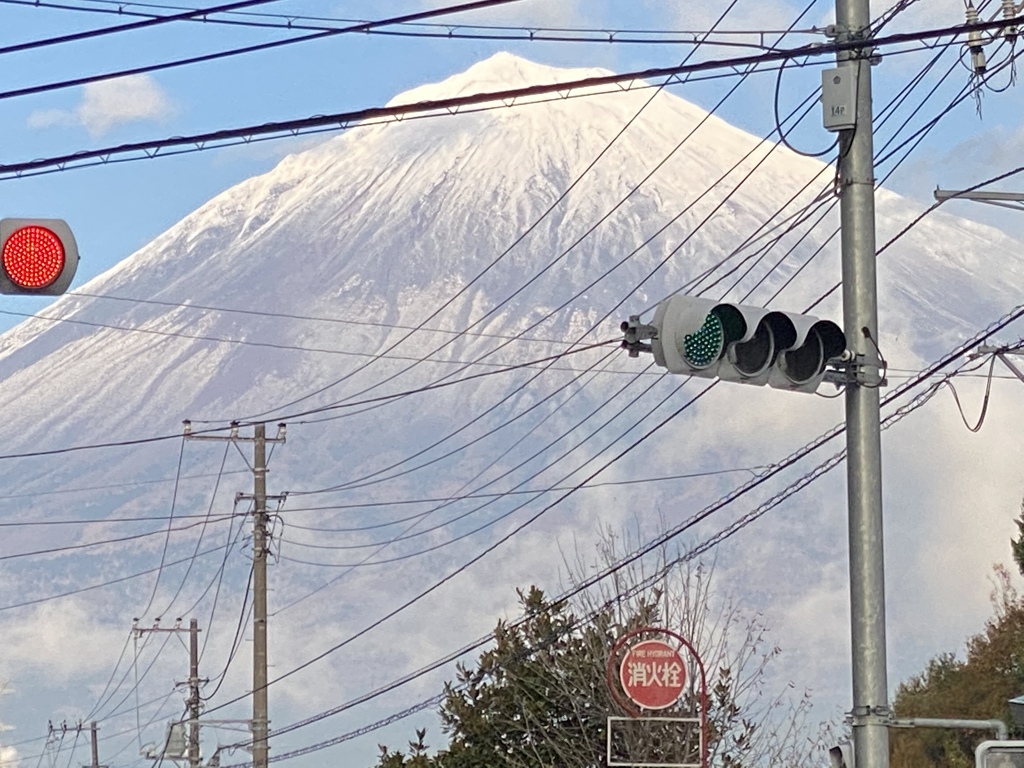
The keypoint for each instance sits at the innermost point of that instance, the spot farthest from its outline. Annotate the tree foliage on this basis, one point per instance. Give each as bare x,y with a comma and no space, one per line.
977,687
539,696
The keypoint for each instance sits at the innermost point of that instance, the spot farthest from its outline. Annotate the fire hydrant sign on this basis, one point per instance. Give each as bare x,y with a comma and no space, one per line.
652,674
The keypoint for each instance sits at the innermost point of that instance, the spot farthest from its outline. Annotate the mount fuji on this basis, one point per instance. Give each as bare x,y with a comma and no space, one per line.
333,292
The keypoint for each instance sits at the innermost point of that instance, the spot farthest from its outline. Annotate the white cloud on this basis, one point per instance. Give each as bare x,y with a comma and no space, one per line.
110,103
48,640
8,755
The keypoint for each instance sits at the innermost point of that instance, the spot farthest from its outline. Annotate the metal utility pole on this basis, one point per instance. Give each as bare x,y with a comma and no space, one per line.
193,697
870,711
260,550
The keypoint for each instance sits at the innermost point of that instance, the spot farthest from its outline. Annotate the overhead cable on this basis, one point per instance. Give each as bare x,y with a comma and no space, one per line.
355,28
185,15
452,105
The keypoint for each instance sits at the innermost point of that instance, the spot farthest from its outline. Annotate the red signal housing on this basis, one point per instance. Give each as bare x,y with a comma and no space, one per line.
37,256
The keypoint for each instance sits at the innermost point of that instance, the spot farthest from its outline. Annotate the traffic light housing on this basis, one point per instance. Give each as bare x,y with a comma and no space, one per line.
841,755
750,345
37,256
999,754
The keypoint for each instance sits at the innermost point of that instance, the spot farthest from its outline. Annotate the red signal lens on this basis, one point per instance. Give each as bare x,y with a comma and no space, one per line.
33,257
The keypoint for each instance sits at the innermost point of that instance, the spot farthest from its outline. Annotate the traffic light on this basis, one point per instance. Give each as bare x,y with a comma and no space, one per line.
37,256
841,755
999,754
734,342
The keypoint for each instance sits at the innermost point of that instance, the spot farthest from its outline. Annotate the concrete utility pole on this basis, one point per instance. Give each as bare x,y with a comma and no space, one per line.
260,550
94,732
194,682
193,696
863,436
260,714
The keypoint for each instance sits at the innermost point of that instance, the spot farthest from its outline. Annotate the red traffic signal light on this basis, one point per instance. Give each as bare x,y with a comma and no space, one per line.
37,256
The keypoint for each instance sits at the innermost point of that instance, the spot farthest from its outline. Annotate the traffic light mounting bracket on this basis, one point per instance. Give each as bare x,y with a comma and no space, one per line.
635,334
850,370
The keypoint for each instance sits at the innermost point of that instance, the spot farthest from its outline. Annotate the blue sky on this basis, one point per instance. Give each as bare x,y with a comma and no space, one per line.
115,210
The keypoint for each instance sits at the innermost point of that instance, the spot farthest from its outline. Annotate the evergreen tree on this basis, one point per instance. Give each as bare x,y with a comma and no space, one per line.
539,697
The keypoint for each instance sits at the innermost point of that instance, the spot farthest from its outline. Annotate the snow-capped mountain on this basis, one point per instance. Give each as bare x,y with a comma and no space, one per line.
396,256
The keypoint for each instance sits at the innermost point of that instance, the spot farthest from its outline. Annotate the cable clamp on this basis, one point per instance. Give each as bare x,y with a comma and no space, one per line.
868,715
850,369
635,334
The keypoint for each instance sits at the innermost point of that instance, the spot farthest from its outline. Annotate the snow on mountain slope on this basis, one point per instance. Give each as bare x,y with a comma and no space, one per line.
331,258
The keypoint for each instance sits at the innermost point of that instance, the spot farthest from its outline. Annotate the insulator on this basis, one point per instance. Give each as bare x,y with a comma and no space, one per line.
974,42
1009,11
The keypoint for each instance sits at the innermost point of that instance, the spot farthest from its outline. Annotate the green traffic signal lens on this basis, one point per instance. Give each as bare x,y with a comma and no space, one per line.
704,346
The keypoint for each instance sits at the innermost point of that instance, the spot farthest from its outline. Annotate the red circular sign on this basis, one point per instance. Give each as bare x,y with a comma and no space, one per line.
33,257
653,674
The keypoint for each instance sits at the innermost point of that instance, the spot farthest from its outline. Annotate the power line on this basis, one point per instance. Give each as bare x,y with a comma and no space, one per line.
96,521
117,540
475,559
577,242
613,397
928,372
480,473
451,31
418,390
897,101
518,239
208,518
102,584
418,517
186,15
455,105
355,28
170,525
441,384
311,318
605,274
476,495
251,343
